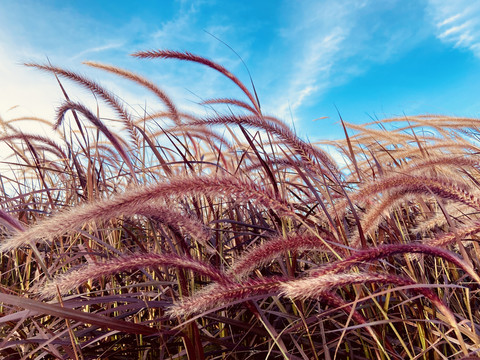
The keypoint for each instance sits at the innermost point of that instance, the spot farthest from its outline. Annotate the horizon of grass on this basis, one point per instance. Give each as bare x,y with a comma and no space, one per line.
171,240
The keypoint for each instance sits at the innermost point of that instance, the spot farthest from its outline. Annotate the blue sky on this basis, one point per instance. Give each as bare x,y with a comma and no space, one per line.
369,59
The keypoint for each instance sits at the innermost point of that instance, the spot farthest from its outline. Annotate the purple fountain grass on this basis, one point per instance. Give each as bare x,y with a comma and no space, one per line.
165,114
228,215
133,200
366,135
443,146
412,184
54,147
441,121
103,151
73,279
314,287
48,163
220,295
376,211
108,97
71,106
217,296
178,220
143,82
279,163
372,218
338,303
305,150
469,229
379,252
437,220
421,184
11,222
272,248
432,162
106,210
396,197
199,132
22,118
168,54
235,102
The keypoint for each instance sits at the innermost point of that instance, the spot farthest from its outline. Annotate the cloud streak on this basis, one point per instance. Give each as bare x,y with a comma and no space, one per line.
330,43
98,49
457,23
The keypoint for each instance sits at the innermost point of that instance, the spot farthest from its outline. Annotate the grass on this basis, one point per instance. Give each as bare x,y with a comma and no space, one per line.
169,240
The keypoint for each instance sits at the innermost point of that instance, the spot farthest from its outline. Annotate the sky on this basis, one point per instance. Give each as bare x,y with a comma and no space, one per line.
308,59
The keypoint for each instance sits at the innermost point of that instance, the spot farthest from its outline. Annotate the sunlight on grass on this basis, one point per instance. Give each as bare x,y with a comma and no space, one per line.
229,236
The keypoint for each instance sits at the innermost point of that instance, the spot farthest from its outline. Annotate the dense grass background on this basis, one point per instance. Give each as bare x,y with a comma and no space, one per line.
228,236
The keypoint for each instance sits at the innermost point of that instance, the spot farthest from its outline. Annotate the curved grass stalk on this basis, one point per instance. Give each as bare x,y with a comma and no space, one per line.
143,82
305,150
168,54
108,97
272,248
132,201
313,287
383,251
71,106
412,184
73,279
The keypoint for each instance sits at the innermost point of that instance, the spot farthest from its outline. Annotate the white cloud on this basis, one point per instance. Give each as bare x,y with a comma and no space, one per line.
315,38
453,30
176,28
317,61
449,20
97,49
304,93
457,23
332,42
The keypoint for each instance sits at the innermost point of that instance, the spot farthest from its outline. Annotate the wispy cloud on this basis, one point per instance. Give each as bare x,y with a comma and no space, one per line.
177,26
315,64
457,23
332,42
97,49
314,41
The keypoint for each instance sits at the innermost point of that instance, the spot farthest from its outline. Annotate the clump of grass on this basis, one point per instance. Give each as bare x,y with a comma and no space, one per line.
168,240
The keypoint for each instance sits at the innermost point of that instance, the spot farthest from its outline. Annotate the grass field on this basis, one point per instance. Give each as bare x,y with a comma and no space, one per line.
229,237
